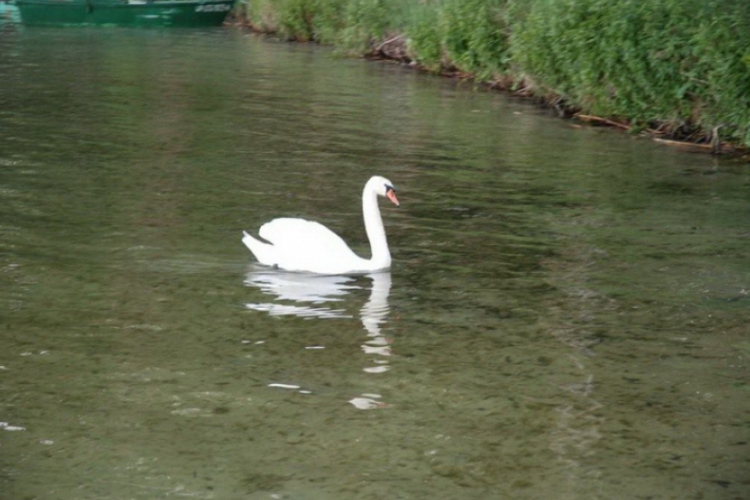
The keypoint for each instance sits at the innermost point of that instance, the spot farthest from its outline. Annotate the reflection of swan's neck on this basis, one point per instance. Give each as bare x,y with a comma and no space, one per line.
381,256
375,310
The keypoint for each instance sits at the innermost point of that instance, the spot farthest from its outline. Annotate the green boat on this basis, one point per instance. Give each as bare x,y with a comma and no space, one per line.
8,13
146,13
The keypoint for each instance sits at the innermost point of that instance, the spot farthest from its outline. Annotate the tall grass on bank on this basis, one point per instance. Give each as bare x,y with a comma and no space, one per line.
467,35
682,66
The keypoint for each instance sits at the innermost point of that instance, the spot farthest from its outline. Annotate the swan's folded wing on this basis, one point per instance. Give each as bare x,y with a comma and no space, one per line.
303,236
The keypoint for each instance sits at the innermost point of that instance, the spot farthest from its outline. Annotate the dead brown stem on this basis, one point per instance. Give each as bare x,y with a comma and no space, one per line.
599,119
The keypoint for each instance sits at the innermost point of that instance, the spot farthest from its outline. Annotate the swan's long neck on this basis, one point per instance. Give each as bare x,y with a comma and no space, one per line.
381,256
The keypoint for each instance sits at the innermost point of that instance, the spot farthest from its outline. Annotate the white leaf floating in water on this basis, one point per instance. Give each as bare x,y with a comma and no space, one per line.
364,403
8,427
290,386
377,369
284,386
367,402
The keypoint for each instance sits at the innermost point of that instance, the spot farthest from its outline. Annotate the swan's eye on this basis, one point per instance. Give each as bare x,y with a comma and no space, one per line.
389,188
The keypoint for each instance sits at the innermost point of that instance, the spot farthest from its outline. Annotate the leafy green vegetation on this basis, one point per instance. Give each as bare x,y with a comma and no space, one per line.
681,67
679,63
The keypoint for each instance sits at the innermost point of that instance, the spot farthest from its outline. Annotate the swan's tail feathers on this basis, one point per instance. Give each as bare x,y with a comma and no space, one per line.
264,252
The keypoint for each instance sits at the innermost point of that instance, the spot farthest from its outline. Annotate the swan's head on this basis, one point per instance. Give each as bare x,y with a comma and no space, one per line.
383,187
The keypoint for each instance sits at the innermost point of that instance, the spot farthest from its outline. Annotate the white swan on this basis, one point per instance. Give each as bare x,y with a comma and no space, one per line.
302,245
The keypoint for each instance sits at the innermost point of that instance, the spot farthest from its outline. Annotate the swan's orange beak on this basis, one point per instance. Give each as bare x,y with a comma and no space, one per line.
391,195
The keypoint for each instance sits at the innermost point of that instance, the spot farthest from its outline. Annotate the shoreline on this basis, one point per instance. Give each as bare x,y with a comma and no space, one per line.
693,132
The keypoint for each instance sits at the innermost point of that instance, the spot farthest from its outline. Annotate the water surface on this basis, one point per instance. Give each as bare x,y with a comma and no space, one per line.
566,316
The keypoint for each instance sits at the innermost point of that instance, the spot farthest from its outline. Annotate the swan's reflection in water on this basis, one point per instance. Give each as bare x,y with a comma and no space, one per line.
303,295
317,296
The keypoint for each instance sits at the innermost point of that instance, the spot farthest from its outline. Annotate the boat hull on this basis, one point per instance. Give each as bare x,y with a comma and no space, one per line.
144,14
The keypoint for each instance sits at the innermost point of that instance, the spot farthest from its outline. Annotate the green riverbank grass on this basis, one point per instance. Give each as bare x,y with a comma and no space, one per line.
681,65
680,68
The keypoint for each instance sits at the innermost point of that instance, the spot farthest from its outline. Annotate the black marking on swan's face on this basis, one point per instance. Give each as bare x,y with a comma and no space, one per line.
390,193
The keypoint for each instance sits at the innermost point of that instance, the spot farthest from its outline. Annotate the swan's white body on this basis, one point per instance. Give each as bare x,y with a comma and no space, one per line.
302,245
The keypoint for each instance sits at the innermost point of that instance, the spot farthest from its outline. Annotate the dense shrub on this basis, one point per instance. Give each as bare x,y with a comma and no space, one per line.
679,62
470,35
302,20
368,21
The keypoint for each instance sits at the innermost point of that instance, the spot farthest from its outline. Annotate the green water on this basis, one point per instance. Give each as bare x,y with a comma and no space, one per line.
566,316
